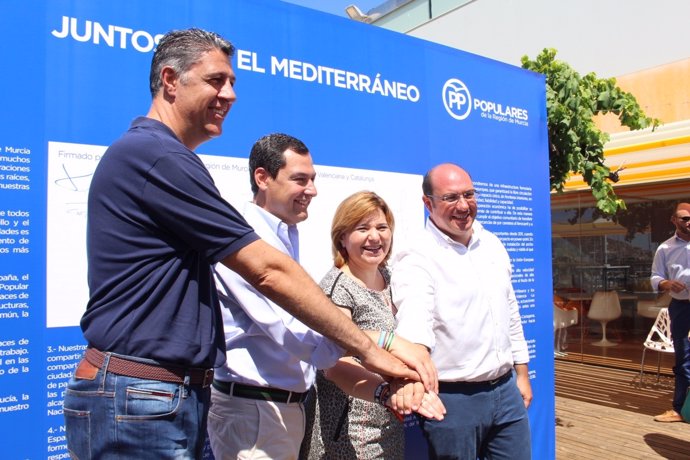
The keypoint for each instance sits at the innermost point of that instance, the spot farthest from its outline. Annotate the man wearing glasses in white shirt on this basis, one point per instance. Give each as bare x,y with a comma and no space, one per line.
454,296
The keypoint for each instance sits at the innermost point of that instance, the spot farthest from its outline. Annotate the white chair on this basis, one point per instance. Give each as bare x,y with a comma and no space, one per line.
605,307
562,319
650,308
659,340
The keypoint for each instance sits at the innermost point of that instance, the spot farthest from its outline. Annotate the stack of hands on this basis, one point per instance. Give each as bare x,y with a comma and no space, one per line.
408,395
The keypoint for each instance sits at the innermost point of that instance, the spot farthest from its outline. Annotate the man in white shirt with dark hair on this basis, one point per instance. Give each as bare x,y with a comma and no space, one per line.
256,400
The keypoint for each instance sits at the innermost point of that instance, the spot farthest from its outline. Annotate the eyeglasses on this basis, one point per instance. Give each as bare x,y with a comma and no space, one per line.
684,218
452,198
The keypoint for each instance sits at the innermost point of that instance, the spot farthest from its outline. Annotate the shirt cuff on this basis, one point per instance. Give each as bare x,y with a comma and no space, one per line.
326,354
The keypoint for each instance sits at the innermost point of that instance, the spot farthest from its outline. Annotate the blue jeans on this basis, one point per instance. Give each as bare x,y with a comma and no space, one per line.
679,311
117,417
482,422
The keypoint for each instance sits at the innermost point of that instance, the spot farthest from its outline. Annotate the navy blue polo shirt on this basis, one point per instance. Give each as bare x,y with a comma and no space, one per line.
156,223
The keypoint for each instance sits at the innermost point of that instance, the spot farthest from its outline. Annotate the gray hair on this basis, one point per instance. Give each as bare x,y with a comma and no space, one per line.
181,49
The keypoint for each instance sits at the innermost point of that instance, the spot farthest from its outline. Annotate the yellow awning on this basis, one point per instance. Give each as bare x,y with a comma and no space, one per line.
648,157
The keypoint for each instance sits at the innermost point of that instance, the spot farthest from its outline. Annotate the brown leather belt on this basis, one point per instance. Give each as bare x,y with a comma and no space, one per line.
122,366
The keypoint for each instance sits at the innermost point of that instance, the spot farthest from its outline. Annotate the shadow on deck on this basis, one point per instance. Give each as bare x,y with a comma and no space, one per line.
605,413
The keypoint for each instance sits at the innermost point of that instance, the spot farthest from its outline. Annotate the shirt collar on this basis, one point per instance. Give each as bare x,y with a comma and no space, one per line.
288,234
678,239
477,229
273,222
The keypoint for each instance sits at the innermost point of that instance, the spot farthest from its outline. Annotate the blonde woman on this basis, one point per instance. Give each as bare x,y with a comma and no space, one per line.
349,416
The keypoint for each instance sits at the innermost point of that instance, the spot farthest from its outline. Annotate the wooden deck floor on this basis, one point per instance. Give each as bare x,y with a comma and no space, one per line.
602,414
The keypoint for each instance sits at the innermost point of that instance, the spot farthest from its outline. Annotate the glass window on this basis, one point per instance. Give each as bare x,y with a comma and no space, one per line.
594,253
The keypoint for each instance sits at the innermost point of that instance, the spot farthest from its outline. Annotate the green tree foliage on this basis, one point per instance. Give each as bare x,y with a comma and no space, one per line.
576,145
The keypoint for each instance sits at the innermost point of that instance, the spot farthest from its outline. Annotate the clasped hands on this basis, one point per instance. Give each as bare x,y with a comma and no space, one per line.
409,396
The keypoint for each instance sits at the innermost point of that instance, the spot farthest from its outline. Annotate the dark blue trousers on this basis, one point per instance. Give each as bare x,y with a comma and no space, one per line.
483,421
679,311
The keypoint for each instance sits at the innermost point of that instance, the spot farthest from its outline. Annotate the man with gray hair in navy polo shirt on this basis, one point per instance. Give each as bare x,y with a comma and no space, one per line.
156,224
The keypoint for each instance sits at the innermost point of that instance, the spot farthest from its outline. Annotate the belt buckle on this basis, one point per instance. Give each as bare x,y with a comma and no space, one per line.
496,380
294,397
208,378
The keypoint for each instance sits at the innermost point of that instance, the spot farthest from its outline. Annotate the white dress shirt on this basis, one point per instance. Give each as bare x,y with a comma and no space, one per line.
459,302
266,346
672,262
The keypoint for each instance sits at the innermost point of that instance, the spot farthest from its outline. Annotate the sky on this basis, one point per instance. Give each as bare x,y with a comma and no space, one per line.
337,7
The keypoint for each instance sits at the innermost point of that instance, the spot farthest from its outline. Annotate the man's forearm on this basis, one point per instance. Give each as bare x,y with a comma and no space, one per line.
283,281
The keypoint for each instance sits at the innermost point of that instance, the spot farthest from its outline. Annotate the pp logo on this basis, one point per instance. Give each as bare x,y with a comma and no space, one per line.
457,99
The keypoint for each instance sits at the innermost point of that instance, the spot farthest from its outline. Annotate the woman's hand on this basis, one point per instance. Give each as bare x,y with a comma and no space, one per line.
408,396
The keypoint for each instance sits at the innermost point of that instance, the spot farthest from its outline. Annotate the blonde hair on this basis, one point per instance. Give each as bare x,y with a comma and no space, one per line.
349,213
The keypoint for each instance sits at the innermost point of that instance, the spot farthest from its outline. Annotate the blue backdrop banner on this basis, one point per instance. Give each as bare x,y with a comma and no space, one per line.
376,109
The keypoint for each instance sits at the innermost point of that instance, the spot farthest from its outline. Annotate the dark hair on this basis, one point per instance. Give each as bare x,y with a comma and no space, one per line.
269,153
181,49
427,189
349,213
